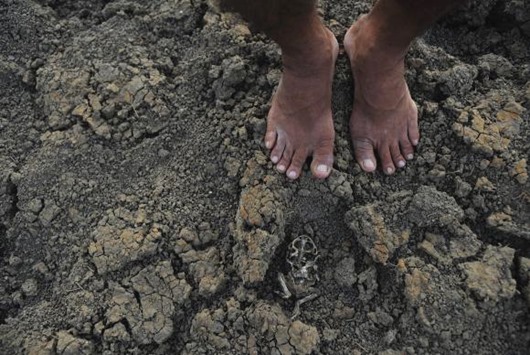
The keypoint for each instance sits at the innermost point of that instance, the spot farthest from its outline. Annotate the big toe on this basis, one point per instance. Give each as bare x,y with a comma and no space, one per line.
413,129
322,160
364,154
270,135
279,147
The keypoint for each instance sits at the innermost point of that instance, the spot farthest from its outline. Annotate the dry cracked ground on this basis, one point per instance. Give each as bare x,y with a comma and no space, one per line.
139,213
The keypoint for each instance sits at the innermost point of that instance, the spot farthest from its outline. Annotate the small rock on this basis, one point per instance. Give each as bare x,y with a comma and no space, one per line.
491,278
15,261
162,153
206,270
67,344
234,73
484,163
372,227
483,184
495,65
273,77
188,234
339,185
48,213
497,163
390,336
431,207
109,111
181,246
345,272
116,333
367,284
519,172
343,312
232,166
35,205
329,334
458,80
241,30
304,338
41,268
30,287
462,188
380,317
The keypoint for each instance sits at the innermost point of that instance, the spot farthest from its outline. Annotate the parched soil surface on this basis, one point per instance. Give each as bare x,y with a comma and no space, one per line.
139,213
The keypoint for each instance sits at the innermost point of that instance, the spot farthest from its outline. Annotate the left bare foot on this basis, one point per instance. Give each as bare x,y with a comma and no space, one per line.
384,117
299,123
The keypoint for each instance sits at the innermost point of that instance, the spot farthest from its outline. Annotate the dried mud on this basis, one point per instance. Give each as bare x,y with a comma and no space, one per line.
139,212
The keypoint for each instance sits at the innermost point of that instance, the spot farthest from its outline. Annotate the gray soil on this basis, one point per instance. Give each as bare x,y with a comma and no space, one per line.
139,213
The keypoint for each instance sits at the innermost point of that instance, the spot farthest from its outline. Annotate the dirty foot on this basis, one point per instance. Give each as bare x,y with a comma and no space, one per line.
384,117
299,123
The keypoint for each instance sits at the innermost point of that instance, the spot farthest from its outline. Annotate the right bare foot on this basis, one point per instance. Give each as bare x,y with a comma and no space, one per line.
299,123
384,117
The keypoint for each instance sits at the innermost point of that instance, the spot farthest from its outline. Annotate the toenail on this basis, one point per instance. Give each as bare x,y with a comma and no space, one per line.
268,144
292,174
322,168
401,163
281,168
274,159
368,164
389,170
415,142
410,156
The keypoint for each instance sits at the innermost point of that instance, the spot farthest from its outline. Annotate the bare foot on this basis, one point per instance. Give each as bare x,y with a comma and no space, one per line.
299,123
384,117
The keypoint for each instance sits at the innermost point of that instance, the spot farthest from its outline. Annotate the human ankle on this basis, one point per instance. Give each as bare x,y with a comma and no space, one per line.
312,54
374,40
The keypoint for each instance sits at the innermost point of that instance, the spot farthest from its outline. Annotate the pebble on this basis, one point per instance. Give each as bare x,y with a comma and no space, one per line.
462,188
41,267
343,313
15,261
345,272
35,205
30,287
162,153
329,334
188,234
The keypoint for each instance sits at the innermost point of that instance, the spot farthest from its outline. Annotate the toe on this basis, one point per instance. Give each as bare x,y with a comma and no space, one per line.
386,160
407,150
364,153
297,162
278,149
322,159
285,161
270,139
397,158
414,132
270,136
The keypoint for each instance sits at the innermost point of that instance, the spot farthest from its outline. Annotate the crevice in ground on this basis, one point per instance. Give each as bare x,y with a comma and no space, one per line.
83,10
3,240
496,237
12,190
498,18
12,194
521,283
